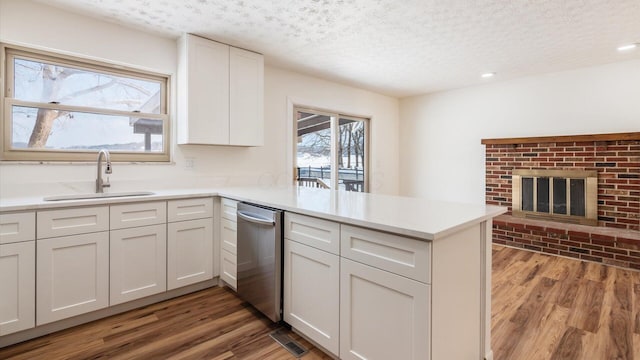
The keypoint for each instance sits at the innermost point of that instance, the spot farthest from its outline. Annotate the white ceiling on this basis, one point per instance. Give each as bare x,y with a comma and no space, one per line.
397,47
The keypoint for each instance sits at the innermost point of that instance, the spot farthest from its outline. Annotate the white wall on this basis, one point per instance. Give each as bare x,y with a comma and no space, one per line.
440,152
41,26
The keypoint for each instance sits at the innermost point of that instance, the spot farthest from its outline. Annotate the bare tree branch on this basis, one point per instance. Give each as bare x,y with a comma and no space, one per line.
134,86
89,90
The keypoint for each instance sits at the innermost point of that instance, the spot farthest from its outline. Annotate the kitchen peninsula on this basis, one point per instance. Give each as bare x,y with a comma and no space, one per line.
417,272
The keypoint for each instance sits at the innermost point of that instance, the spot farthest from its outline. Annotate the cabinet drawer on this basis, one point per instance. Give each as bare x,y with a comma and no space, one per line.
397,254
229,236
189,209
142,214
53,223
229,208
17,227
229,268
318,233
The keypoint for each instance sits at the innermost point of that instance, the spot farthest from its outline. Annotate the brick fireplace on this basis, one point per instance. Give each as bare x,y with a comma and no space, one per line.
614,238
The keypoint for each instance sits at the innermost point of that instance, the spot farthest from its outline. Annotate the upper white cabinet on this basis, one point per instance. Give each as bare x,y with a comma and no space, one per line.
220,94
246,87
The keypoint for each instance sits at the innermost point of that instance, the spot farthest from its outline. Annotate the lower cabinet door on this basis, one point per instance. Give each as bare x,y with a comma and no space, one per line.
72,276
190,252
382,315
312,293
17,287
229,273
138,258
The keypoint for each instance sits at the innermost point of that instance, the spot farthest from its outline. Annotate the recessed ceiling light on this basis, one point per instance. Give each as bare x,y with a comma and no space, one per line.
488,75
627,47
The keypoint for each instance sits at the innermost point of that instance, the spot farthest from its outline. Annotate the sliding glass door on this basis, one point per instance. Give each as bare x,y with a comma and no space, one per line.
327,141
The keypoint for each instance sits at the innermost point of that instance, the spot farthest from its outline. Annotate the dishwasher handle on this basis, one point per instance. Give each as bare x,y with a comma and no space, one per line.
255,219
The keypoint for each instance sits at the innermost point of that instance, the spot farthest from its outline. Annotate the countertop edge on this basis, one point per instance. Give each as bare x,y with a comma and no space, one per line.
38,204
496,210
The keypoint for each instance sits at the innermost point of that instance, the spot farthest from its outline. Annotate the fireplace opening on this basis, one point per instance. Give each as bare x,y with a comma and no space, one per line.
560,195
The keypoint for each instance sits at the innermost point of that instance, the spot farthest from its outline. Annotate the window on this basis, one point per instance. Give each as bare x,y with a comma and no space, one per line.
327,141
57,108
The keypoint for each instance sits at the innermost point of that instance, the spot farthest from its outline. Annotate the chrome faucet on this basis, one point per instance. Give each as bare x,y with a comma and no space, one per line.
101,184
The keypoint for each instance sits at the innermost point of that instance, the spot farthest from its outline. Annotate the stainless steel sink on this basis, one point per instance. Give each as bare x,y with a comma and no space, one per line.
97,195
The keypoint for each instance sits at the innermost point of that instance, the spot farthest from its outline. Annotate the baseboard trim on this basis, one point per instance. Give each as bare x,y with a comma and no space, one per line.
489,355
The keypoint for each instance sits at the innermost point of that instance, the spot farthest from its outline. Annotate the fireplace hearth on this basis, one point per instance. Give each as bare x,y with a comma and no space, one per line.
575,196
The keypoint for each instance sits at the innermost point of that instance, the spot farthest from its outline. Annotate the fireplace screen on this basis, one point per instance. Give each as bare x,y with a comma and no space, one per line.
562,195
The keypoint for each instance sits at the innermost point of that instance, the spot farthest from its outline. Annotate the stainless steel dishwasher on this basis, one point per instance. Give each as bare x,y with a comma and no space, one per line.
260,258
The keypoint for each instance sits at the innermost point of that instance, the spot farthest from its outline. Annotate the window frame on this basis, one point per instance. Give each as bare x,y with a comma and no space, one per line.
7,101
335,130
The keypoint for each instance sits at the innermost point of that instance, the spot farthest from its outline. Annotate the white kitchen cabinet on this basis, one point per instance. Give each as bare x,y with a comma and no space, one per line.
229,235
17,227
382,315
229,209
246,96
72,276
138,214
318,233
138,251
189,209
17,272
138,263
190,252
312,294
229,268
72,221
221,94
17,286
203,83
397,254
228,239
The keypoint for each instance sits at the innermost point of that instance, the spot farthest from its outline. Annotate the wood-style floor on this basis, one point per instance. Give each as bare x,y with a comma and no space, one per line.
210,324
543,308
547,307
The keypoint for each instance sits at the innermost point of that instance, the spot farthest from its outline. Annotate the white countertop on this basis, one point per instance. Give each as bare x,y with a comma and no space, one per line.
414,217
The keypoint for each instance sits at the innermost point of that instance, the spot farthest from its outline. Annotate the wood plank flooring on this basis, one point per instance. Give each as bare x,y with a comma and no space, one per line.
544,307
209,324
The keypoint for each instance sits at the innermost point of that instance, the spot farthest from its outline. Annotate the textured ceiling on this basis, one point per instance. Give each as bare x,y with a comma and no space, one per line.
397,47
